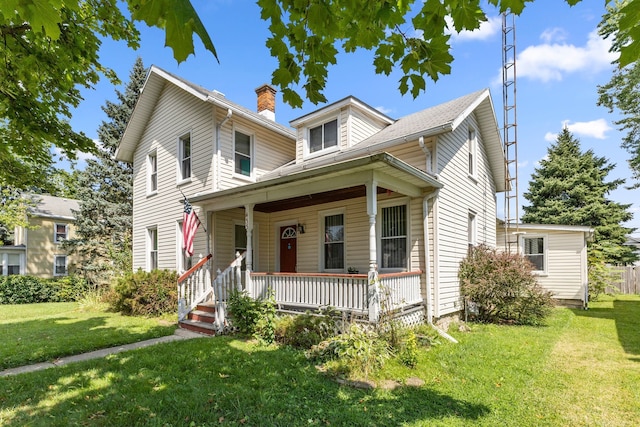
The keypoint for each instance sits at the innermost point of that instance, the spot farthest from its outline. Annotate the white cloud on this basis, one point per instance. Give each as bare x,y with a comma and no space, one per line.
384,110
487,30
594,129
553,35
554,60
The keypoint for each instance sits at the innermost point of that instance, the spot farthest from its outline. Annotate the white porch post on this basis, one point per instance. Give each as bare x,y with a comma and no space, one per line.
248,223
374,292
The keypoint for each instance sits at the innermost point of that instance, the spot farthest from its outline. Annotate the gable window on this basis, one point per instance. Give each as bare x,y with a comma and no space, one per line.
472,229
243,154
184,156
60,265
152,249
534,251
152,172
60,233
473,148
333,242
323,136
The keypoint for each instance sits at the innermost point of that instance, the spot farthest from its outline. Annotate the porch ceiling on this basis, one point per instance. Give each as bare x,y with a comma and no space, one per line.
315,199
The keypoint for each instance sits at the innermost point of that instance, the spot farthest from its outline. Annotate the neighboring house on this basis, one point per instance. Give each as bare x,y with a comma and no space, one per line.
559,256
346,189
635,243
37,251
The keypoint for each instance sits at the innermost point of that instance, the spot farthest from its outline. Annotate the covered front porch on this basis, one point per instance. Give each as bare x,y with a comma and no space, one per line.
351,235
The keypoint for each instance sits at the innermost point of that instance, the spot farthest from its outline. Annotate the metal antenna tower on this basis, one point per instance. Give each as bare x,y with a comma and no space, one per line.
510,131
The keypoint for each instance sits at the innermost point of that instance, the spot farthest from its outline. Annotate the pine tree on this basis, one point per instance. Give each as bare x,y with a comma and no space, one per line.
104,222
569,187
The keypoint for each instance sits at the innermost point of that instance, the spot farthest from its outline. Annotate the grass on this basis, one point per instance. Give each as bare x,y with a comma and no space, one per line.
581,369
42,332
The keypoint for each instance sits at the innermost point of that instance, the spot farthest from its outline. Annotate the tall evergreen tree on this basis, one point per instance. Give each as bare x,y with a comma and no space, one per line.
104,222
569,187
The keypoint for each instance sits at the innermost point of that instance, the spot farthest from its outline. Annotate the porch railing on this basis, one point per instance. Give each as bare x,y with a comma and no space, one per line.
226,281
400,289
194,286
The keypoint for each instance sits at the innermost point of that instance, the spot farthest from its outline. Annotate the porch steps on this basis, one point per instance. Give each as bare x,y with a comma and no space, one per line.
201,320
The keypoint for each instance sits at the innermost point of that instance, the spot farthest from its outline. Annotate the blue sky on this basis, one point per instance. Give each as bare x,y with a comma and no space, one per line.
560,62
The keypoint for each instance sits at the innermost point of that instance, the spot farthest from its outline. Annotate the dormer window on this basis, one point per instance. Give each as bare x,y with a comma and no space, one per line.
323,136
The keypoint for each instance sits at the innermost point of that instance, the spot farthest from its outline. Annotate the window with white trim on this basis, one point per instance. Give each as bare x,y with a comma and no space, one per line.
534,249
240,242
152,249
11,264
60,265
152,172
393,237
323,136
243,153
333,251
473,149
60,232
184,156
472,233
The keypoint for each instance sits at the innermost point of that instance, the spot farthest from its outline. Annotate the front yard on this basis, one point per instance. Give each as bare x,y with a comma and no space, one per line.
582,369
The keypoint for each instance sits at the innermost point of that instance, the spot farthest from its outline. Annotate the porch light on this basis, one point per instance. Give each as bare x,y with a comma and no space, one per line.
300,229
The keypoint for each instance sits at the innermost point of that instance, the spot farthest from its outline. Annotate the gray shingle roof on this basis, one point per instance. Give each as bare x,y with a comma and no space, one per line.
54,207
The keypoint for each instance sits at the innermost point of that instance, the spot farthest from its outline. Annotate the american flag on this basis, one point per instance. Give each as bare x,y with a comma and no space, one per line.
190,224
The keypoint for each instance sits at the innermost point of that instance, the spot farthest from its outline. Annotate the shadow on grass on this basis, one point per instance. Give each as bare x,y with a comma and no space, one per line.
218,381
626,314
31,341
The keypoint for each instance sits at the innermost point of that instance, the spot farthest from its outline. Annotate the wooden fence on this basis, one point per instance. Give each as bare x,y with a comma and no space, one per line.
626,280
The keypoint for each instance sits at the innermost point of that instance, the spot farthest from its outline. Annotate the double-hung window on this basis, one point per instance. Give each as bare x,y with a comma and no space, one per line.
472,229
152,172
60,265
152,249
10,263
393,237
60,233
323,136
243,148
333,242
240,242
184,156
534,250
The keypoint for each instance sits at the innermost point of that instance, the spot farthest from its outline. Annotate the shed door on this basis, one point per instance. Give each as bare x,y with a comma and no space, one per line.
288,249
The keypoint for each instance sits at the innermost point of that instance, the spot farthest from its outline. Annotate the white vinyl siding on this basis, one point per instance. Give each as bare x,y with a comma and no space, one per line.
456,199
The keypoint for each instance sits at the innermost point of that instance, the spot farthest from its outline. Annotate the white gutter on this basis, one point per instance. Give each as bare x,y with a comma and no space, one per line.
217,160
427,263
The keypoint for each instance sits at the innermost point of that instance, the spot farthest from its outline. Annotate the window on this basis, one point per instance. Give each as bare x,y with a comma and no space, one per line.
184,153
185,262
10,263
152,245
534,248
334,242
60,233
240,242
243,148
471,229
473,143
152,172
393,237
60,265
323,136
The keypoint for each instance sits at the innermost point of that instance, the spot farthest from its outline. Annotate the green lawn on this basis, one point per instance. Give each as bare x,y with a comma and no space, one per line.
581,369
42,332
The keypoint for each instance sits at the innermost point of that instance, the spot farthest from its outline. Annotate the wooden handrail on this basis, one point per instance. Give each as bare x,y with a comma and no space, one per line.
188,273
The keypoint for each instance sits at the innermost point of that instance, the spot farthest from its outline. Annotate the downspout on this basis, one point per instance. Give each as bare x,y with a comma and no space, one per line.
427,263
217,162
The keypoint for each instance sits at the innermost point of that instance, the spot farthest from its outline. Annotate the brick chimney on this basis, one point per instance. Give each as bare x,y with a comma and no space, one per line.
267,101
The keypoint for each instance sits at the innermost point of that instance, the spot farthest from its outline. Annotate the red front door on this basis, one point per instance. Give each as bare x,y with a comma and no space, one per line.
288,248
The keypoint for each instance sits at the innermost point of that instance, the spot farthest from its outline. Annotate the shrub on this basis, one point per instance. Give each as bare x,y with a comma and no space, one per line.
253,317
306,330
503,287
409,354
265,327
17,289
145,293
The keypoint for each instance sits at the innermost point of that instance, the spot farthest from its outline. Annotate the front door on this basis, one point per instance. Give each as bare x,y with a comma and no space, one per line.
288,248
